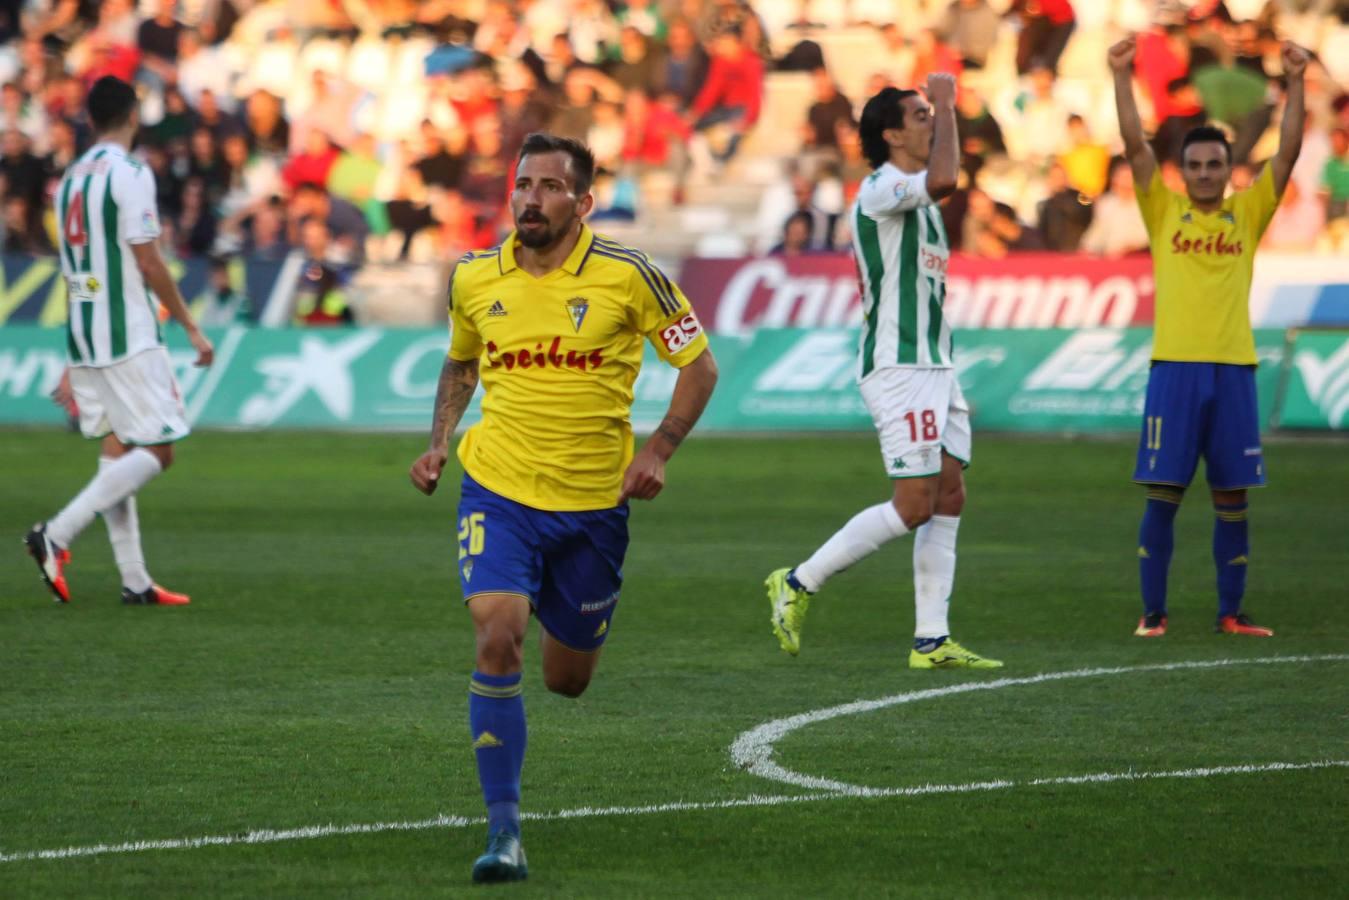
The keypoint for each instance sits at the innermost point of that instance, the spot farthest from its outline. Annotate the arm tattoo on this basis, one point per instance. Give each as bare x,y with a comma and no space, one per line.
458,381
674,429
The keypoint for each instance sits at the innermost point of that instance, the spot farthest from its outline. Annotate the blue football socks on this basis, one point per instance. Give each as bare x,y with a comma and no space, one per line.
1231,547
1156,541
496,718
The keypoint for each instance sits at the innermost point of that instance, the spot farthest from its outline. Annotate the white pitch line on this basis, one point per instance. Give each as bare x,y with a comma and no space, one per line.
270,836
753,750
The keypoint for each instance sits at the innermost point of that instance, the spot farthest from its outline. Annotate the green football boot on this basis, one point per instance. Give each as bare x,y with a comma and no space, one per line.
789,610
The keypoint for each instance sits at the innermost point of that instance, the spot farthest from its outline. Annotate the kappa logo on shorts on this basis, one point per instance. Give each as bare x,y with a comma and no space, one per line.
898,463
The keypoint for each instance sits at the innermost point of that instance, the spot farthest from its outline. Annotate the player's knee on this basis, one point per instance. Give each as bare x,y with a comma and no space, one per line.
952,500
915,511
500,650
163,453
568,684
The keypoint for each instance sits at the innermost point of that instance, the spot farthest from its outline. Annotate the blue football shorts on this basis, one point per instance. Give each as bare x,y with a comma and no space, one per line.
568,565
1196,409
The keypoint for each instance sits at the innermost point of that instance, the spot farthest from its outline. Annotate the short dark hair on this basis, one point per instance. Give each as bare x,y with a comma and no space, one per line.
1204,134
582,160
110,103
882,112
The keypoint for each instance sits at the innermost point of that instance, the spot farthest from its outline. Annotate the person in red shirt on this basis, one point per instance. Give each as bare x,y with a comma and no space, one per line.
733,91
1046,26
311,166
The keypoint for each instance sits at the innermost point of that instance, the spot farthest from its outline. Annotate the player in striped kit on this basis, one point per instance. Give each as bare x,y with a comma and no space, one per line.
120,373
904,371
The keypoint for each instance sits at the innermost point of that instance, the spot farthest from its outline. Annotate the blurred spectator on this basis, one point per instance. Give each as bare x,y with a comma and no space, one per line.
976,227
720,16
249,178
211,115
1046,26
1116,224
345,227
203,68
39,68
1086,162
438,166
20,112
523,110
1297,223
606,135
195,224
157,39
1065,214
795,192
592,30
1007,229
901,60
575,114
22,172
830,108
313,165
639,64
733,92
331,111
62,150
353,179
268,131
266,231
971,28
1254,44
795,236
654,133
853,165
979,133
1163,55
207,165
1335,176
1170,135
458,226
560,60
685,62
645,16
1036,123
224,305
486,179
320,295
409,211
168,180
930,55
23,228
175,124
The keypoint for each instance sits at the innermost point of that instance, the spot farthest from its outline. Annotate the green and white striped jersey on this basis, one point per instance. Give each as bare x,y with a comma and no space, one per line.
106,203
902,253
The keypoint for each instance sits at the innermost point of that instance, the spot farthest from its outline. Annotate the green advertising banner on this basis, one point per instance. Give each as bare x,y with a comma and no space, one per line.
802,380
1316,393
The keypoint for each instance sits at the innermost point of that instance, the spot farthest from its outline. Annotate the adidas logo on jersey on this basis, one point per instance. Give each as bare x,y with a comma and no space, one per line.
496,309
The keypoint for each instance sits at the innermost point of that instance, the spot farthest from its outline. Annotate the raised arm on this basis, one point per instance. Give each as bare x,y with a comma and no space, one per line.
458,381
1136,149
646,473
1294,115
160,281
943,163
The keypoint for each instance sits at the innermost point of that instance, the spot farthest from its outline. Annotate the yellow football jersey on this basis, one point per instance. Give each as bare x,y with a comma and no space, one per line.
558,356
1202,265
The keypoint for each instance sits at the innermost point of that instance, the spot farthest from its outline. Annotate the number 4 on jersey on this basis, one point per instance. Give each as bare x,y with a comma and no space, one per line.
74,229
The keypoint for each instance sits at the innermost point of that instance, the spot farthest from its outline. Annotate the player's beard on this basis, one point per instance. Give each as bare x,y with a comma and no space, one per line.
540,238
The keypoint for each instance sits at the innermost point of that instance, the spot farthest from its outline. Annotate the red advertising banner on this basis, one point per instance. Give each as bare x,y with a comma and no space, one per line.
1028,290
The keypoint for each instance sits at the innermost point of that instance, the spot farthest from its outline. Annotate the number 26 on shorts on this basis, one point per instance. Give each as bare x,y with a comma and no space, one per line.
922,425
472,534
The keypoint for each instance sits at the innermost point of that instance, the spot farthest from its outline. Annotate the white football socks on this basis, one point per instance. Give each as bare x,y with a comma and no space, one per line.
124,533
934,573
114,482
862,536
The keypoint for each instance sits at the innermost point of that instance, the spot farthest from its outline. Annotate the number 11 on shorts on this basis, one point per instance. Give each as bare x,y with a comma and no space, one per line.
928,419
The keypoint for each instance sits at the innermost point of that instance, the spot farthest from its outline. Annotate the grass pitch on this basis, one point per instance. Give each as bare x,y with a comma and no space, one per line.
319,677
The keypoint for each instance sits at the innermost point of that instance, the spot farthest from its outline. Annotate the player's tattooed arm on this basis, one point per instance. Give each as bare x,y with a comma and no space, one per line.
693,388
458,381
674,429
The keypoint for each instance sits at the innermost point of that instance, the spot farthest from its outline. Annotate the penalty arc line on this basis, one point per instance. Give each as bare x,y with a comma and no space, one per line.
752,751
270,836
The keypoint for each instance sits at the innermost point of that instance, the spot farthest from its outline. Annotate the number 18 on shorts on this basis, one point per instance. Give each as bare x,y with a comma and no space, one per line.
918,413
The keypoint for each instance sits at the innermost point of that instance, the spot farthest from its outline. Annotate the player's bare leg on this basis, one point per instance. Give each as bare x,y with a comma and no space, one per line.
496,713
934,570
567,671
1231,552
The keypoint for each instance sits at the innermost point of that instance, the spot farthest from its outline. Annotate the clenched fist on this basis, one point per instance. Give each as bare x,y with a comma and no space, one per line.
941,89
1122,54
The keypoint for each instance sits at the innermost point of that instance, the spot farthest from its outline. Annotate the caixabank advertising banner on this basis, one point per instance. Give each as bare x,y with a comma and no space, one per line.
1045,380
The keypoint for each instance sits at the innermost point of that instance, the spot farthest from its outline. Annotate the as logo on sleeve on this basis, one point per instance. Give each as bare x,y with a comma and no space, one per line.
679,335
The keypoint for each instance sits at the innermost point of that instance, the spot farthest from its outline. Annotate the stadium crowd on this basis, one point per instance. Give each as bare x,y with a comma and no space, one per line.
386,129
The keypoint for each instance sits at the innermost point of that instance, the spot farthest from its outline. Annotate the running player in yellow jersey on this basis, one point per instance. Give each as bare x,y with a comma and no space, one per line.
1201,389
554,322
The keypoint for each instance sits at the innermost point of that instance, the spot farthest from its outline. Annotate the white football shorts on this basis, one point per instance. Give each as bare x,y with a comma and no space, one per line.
918,413
136,398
